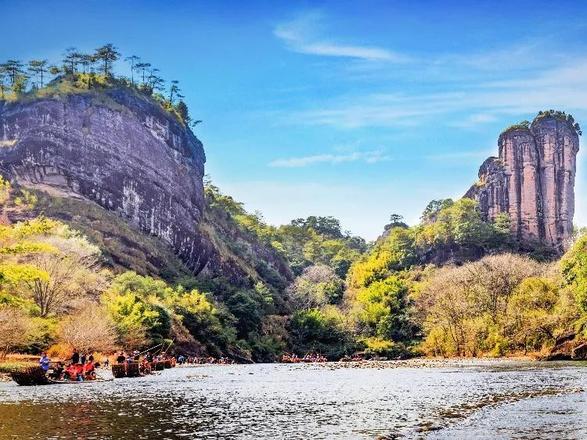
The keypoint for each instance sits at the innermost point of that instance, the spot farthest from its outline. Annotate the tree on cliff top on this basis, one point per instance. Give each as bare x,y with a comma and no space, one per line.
107,54
71,59
38,68
133,60
151,84
14,69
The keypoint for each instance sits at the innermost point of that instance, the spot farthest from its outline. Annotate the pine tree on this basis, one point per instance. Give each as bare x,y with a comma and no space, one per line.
182,110
143,67
71,60
13,68
174,90
133,60
108,54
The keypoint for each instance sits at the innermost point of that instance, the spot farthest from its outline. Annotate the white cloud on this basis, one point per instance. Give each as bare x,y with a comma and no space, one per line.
531,54
564,88
304,161
475,120
334,50
300,35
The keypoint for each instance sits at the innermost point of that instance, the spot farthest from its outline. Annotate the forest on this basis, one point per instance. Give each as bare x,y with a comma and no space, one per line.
382,299
452,285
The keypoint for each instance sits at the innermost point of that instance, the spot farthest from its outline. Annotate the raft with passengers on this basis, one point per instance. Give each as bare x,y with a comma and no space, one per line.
142,363
288,358
82,368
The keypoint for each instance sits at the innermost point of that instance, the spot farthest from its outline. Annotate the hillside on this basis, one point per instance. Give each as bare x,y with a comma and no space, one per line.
106,218
119,149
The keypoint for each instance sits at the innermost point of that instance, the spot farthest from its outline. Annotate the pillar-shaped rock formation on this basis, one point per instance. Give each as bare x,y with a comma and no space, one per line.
533,180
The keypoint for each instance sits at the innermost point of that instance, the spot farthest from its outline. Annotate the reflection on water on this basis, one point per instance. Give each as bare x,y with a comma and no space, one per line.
444,400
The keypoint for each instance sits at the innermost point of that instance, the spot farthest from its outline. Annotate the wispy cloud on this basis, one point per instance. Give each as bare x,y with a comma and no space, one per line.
485,102
302,35
475,120
369,157
520,55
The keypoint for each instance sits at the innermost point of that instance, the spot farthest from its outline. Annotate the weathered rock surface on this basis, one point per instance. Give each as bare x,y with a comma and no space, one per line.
118,150
123,151
532,180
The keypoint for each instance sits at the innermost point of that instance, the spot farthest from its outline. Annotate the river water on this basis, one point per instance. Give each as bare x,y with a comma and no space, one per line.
414,399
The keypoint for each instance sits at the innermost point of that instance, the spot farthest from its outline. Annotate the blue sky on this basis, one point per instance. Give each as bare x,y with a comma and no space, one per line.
352,109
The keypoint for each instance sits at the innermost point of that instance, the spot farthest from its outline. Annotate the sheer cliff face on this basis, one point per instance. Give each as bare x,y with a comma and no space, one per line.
117,149
122,151
533,181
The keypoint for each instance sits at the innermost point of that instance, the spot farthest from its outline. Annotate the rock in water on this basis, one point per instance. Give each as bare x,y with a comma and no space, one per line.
117,148
533,180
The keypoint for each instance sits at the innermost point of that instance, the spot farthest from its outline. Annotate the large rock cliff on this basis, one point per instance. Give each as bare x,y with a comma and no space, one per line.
117,149
122,151
532,180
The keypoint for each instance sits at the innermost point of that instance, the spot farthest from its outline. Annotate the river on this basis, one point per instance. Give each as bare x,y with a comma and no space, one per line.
477,399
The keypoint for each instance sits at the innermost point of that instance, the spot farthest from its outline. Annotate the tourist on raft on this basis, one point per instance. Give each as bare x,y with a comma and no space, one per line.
57,372
89,370
75,372
120,358
75,357
44,362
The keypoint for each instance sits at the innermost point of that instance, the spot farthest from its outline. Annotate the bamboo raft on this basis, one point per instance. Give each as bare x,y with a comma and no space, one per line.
32,376
158,366
133,369
130,369
119,371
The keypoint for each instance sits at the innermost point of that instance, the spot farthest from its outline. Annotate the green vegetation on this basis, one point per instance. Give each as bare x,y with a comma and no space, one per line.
574,271
560,116
523,125
450,231
55,290
556,114
58,289
321,331
86,72
302,243
502,304
449,286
